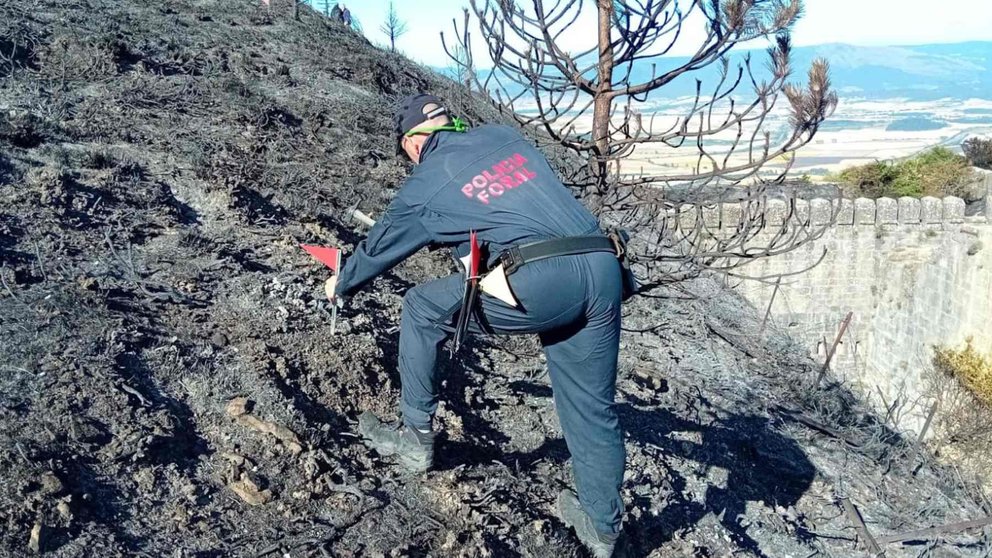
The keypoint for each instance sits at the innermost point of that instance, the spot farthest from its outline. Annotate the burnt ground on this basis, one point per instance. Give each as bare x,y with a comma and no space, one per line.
159,164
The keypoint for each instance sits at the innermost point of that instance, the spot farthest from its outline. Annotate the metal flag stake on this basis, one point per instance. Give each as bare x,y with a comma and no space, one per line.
331,257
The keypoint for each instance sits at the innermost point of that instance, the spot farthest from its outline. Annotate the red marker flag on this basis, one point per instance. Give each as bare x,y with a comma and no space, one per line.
471,289
476,255
331,257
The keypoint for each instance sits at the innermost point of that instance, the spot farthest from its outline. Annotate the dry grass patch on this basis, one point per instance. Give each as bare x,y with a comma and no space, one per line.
971,368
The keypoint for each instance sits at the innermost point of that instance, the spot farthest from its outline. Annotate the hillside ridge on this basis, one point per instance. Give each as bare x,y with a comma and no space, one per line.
169,384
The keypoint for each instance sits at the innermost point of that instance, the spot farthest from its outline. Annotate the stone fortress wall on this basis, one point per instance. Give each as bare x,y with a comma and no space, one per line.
914,272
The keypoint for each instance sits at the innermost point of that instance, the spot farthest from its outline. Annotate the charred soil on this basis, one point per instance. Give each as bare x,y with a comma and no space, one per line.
169,386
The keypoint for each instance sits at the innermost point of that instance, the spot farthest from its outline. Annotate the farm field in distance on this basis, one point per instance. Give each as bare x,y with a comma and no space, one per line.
860,131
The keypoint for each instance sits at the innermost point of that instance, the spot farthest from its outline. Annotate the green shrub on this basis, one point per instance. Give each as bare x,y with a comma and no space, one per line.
978,151
872,180
936,172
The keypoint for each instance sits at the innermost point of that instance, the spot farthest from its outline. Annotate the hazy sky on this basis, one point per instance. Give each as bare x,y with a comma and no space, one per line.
861,22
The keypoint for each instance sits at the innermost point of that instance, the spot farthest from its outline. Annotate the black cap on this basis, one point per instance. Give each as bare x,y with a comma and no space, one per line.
410,114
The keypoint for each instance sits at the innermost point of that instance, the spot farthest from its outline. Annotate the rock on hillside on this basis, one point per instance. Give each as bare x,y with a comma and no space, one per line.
169,387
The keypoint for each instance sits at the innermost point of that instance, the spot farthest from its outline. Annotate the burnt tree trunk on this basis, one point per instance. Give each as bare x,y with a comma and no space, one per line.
604,96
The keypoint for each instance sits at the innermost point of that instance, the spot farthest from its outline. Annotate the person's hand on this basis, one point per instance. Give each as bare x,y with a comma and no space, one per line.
329,286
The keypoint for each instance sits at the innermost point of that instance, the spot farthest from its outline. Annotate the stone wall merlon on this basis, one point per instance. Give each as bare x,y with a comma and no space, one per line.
801,214
886,211
823,211
688,216
953,210
864,211
711,216
932,210
776,212
909,210
987,177
845,215
731,215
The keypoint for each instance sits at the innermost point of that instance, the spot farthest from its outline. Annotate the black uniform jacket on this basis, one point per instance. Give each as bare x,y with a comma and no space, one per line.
491,180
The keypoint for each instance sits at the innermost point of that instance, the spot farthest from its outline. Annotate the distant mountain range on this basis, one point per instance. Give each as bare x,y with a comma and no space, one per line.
920,73
917,73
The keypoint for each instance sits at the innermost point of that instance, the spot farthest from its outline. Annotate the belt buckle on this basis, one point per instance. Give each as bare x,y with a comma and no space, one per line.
618,245
511,260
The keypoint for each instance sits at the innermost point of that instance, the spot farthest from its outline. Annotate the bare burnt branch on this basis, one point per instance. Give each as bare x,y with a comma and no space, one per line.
393,27
589,100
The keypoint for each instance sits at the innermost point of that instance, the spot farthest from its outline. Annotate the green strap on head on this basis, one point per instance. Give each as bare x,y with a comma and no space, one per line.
457,125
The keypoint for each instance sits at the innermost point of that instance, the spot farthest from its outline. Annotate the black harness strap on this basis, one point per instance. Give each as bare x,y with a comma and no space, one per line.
515,257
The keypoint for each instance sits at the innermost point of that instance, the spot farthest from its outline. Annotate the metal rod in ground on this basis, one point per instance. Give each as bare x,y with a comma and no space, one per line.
859,524
926,425
926,534
334,304
833,348
768,312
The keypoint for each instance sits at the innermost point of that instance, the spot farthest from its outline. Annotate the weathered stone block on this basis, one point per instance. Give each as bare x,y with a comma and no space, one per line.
953,210
732,215
801,211
776,212
886,211
711,216
845,213
931,210
821,211
987,174
864,211
687,217
909,210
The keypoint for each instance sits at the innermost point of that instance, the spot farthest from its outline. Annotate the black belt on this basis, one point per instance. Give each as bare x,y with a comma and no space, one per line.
516,256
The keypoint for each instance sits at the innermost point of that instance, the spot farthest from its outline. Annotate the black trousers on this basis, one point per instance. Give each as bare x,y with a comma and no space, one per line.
573,303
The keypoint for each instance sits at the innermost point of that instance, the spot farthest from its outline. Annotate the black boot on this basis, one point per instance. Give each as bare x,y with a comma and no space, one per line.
414,450
571,512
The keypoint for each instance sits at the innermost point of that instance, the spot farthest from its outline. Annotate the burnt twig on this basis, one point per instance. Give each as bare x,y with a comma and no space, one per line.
933,532
833,348
854,516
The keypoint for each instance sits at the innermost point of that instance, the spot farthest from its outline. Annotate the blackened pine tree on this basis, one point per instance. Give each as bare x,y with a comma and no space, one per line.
663,175
393,27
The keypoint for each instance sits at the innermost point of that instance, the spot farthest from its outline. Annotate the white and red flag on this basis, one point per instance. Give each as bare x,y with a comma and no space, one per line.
331,257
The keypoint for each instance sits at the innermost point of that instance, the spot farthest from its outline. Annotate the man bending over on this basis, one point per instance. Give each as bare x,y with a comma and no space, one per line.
565,280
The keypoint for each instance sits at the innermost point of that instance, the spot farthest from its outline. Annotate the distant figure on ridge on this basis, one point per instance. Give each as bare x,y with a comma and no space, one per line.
341,14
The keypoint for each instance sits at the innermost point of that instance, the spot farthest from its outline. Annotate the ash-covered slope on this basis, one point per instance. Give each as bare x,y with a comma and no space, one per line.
160,162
